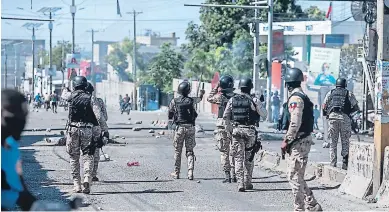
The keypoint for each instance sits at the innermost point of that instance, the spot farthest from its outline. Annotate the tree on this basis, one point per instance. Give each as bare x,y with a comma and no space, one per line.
166,66
57,54
118,60
314,13
200,63
127,47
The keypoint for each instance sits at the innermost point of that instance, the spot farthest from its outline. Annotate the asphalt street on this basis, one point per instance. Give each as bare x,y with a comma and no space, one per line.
149,185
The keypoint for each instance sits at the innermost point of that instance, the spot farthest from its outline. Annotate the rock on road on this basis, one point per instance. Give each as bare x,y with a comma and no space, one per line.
149,185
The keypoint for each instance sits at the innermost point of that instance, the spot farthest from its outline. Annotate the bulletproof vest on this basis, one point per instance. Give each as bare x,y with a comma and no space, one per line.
242,113
80,108
338,101
307,119
223,104
185,112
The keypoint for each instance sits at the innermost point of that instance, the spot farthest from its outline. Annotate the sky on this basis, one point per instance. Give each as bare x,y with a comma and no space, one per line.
162,16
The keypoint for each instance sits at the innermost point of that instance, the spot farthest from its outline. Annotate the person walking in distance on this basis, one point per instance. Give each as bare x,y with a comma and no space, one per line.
339,104
84,116
182,112
54,100
224,129
298,140
316,116
47,101
275,107
243,112
98,133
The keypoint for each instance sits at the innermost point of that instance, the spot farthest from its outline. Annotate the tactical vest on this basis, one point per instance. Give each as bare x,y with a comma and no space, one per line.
242,114
338,101
185,112
223,104
307,119
80,108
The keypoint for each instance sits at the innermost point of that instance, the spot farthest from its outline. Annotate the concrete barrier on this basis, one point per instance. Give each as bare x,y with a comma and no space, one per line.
359,177
383,193
333,174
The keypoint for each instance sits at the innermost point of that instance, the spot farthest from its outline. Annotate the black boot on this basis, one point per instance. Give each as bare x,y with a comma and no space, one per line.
228,177
345,162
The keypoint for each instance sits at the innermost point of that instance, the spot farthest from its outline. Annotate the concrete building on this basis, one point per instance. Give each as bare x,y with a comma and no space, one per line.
100,53
154,39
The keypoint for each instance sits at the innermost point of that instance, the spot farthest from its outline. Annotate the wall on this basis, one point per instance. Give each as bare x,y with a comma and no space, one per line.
109,91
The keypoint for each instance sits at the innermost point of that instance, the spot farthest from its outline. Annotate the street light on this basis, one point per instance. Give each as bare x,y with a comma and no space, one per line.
49,11
33,26
16,64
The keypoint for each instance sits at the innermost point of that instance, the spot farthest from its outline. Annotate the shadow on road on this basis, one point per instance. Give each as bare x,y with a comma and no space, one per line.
150,191
254,178
289,189
134,181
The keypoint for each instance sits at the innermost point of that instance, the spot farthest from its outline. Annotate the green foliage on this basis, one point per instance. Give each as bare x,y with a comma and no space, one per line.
166,66
57,56
118,60
314,13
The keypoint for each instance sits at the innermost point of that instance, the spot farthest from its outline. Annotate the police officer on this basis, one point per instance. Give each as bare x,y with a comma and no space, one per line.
339,103
223,135
84,115
182,111
243,112
298,141
97,133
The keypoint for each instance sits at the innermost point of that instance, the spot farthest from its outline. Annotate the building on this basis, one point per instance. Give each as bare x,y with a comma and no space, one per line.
100,53
155,39
17,51
302,35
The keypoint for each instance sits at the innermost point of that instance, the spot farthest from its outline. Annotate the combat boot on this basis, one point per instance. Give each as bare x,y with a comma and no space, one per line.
95,178
317,207
86,188
248,186
345,162
190,174
234,176
227,178
241,189
175,175
77,187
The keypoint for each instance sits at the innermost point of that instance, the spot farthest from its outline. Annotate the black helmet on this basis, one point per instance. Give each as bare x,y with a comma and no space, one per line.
226,82
79,83
246,83
294,75
184,88
89,88
341,82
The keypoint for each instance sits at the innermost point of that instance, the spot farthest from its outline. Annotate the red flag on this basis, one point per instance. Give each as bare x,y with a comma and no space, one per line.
329,12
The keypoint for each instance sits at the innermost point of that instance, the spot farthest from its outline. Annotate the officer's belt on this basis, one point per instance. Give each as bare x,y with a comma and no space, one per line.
245,126
81,125
185,125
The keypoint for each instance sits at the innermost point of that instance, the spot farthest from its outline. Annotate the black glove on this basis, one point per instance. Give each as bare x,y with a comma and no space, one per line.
105,134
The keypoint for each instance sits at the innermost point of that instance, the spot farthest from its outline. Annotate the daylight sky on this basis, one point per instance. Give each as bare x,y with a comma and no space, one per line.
163,16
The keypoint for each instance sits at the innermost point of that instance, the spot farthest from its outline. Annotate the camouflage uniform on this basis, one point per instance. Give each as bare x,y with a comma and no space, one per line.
298,158
243,137
223,135
184,133
97,133
79,138
339,123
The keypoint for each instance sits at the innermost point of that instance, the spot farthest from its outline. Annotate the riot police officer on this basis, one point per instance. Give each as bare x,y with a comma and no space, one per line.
84,115
182,112
223,135
298,140
339,104
243,112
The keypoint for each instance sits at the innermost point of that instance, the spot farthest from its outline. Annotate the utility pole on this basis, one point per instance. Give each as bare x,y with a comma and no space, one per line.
92,63
16,64
269,57
256,50
73,9
5,67
33,27
63,62
135,97
381,126
50,10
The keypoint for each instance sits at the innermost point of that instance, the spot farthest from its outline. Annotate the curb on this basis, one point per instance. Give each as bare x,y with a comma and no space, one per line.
272,161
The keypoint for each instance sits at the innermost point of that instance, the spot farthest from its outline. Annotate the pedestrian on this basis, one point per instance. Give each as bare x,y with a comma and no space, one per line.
224,128
126,103
244,112
14,111
275,107
316,116
46,98
339,104
121,102
54,101
298,140
98,133
182,112
84,117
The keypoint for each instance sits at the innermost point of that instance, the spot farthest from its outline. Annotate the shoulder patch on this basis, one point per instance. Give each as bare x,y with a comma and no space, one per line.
293,105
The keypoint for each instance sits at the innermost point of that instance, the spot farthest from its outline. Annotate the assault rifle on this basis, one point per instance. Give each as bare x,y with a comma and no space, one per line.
255,148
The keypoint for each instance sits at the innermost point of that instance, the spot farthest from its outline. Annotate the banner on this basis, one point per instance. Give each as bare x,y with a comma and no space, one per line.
382,89
73,60
324,66
278,44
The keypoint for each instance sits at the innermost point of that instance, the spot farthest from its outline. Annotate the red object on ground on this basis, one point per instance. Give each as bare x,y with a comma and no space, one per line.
133,163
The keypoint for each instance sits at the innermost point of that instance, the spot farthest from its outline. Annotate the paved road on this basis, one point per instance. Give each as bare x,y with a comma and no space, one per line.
149,186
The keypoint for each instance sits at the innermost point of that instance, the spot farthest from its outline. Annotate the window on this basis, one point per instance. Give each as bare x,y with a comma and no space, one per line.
289,28
309,27
265,28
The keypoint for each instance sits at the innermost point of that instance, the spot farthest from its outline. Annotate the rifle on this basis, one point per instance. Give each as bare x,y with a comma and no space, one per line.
255,148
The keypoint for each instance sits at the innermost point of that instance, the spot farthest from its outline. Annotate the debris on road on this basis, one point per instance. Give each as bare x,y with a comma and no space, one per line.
161,133
136,163
151,131
199,128
138,122
156,178
116,136
129,118
157,136
136,129
48,140
104,158
198,181
326,145
62,133
319,136
48,130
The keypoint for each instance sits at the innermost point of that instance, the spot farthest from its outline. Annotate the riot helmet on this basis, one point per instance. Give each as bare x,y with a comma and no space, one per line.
341,83
89,88
293,78
184,88
245,85
79,83
226,81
